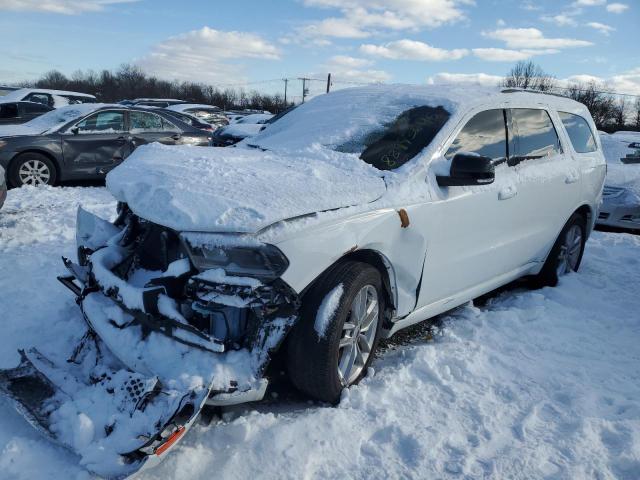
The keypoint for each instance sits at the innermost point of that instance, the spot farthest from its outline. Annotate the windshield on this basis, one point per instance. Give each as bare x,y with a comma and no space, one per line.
401,140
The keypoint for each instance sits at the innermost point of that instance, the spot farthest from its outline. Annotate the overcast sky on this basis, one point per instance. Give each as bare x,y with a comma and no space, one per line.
244,42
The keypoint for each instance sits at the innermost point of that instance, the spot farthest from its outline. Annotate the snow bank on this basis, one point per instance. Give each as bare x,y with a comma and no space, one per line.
238,190
242,130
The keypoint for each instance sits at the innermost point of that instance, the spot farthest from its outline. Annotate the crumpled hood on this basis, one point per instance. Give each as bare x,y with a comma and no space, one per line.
239,189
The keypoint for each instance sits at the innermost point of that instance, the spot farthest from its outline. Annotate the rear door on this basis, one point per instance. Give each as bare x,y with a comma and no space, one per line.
548,180
147,127
10,114
97,143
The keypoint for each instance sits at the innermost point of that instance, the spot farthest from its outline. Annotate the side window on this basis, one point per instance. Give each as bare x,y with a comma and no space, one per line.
9,110
42,98
167,126
145,122
579,132
35,108
485,134
535,135
102,122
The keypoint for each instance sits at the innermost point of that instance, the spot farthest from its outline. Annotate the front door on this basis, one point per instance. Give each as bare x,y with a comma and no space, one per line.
96,144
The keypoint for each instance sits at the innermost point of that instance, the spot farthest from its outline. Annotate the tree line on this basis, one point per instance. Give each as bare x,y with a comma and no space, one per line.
129,82
610,112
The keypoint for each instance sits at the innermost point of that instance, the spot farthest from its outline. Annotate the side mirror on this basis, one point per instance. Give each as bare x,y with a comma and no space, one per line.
468,169
74,130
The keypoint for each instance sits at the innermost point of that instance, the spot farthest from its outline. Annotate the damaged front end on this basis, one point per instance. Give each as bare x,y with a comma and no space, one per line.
173,322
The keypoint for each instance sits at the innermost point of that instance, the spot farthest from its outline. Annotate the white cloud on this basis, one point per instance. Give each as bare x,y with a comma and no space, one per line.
412,50
505,55
561,20
601,27
617,7
66,7
589,3
361,17
532,38
482,79
207,55
351,69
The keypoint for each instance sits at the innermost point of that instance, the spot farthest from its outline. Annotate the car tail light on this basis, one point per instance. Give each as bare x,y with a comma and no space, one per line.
173,438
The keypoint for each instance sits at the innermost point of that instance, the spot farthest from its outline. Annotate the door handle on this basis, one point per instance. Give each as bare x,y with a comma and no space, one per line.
507,193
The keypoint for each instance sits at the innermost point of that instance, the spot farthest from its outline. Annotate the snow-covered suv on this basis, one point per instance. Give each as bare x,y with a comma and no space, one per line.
357,214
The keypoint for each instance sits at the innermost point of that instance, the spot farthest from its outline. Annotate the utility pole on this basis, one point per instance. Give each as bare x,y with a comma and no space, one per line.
328,83
286,81
305,91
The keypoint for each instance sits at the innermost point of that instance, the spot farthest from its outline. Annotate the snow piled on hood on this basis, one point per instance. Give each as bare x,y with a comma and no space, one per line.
615,147
238,190
50,121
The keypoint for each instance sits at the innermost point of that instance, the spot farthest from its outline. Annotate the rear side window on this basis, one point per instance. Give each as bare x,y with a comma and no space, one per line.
579,132
485,134
144,122
535,136
32,107
42,98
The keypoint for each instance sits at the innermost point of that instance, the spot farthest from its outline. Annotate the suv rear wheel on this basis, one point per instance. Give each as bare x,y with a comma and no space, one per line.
566,254
333,344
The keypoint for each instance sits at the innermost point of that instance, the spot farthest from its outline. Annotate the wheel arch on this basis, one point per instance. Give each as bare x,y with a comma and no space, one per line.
378,261
588,214
47,154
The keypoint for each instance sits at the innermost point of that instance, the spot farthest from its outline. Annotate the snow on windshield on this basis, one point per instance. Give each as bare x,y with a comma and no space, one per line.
50,120
339,117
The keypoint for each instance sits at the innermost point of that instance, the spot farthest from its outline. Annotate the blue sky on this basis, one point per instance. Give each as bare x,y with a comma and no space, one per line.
249,41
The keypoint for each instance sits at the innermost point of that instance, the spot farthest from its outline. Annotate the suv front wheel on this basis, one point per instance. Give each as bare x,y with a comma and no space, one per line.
334,341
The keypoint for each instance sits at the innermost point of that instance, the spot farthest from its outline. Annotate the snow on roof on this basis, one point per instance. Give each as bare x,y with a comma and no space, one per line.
52,120
334,118
181,107
23,92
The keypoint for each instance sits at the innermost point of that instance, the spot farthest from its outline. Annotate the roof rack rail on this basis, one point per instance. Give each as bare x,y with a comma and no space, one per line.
528,90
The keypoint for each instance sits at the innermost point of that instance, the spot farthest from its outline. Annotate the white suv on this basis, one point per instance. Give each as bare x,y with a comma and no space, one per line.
357,214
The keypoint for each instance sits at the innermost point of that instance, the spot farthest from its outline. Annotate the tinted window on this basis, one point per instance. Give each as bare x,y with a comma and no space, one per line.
579,132
485,134
102,122
8,110
39,98
145,122
407,136
535,135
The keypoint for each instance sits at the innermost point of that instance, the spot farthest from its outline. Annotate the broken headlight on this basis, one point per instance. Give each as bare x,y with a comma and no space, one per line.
263,262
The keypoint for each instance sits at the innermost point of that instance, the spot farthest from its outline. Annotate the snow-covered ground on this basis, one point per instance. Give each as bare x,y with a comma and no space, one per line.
533,384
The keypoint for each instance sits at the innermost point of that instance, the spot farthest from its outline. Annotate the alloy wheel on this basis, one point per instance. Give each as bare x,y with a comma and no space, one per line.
34,172
358,334
570,251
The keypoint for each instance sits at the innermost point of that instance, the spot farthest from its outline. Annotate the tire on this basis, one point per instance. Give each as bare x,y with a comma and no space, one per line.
566,254
317,363
32,169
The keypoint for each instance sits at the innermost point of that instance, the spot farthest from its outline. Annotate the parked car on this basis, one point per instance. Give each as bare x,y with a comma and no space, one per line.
245,127
190,120
207,113
4,90
620,207
51,98
152,102
358,214
12,113
72,144
3,187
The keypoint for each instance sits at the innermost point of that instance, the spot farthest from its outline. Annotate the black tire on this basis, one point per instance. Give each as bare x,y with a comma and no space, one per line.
312,360
548,276
37,159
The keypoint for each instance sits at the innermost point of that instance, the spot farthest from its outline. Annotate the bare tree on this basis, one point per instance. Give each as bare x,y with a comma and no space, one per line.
598,100
528,75
619,112
637,114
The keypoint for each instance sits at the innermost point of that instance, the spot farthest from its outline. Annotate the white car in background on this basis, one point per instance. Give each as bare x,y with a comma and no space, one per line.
246,127
206,113
621,198
51,98
355,215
